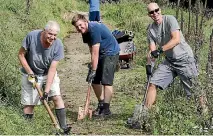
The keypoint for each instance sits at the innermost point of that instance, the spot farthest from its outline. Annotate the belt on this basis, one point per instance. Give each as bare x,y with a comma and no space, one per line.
38,75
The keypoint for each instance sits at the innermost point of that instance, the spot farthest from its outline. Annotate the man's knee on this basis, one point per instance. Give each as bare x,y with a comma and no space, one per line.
57,99
152,86
28,109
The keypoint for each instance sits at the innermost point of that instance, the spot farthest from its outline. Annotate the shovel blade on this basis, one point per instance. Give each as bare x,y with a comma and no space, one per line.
81,113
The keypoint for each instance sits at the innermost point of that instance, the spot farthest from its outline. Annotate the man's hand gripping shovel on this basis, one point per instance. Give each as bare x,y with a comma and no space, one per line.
33,80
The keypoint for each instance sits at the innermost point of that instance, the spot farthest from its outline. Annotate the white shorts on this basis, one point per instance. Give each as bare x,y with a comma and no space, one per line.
30,96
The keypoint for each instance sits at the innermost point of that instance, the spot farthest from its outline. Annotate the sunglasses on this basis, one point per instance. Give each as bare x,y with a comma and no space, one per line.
154,11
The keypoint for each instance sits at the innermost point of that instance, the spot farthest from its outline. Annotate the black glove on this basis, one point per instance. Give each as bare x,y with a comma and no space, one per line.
148,70
157,52
45,96
91,76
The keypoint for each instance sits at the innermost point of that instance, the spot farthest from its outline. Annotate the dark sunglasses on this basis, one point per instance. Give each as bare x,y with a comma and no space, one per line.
154,11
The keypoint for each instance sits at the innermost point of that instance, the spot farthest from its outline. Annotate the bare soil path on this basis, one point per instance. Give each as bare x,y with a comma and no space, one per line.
73,72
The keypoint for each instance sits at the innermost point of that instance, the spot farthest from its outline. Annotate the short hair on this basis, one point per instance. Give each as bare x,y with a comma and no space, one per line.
52,25
78,17
152,4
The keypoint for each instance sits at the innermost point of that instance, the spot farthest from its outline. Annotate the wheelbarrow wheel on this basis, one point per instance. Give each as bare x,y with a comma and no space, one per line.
129,64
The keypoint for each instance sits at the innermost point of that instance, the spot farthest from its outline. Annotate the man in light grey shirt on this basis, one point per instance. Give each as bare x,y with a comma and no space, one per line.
39,55
179,59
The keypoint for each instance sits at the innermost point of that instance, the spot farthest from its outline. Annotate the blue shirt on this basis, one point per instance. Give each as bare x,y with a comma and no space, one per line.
99,33
94,5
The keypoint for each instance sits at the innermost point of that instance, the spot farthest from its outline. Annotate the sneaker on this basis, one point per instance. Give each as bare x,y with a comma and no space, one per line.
98,110
106,113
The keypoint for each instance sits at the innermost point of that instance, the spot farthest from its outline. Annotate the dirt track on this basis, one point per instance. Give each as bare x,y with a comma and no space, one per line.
73,72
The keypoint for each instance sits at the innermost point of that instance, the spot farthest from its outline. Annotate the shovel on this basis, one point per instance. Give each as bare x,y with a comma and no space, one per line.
86,111
35,85
139,109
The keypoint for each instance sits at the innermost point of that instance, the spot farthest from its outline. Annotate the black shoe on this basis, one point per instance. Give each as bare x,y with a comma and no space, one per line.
98,110
28,117
106,113
67,130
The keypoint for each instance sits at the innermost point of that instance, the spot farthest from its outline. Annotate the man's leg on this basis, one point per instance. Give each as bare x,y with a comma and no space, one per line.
108,92
151,96
61,113
28,111
109,68
189,77
100,96
98,91
29,97
162,77
92,16
98,18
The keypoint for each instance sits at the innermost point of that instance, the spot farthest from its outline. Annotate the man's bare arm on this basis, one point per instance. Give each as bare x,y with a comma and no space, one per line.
175,40
51,75
23,61
95,55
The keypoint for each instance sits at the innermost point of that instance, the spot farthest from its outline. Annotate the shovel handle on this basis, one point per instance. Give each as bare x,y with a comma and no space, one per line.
47,107
87,99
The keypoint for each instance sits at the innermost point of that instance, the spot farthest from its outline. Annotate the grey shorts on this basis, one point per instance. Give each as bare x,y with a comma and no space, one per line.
30,96
166,72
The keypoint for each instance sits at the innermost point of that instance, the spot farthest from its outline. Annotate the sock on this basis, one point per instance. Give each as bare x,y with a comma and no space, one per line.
101,101
28,116
61,116
100,104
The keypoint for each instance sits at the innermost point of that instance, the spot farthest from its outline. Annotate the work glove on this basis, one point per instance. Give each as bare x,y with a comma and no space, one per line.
45,96
157,52
32,78
148,70
91,76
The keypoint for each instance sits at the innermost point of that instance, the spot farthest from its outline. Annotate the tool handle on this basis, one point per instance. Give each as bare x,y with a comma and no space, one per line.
87,99
47,107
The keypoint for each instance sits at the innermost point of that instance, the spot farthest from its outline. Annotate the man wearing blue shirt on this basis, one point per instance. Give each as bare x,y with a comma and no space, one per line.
104,51
94,10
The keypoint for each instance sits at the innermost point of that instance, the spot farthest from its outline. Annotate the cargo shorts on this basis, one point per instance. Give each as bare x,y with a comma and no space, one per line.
106,70
164,75
30,96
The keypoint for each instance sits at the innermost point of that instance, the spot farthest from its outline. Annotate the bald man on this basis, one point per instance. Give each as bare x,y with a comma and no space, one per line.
179,60
39,56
